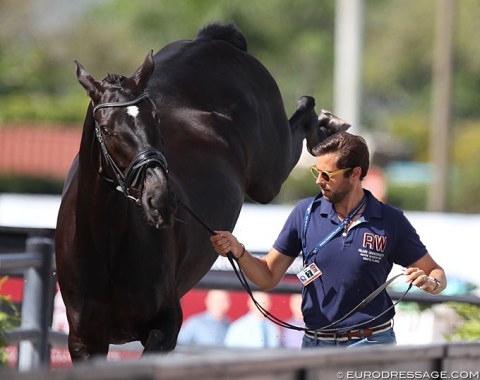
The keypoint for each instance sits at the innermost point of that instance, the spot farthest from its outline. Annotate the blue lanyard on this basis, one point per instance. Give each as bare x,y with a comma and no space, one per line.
327,238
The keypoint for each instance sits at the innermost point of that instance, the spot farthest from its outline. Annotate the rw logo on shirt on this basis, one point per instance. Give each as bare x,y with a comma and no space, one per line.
373,247
374,242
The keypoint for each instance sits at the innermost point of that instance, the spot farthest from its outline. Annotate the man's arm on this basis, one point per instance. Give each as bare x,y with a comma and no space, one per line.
423,273
265,272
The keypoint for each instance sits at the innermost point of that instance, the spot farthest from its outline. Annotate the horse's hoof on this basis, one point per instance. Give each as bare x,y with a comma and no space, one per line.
332,123
305,103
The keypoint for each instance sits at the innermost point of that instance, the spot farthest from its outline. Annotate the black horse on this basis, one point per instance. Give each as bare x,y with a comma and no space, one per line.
201,124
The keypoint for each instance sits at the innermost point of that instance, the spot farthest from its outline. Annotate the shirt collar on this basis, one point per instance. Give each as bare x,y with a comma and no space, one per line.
373,208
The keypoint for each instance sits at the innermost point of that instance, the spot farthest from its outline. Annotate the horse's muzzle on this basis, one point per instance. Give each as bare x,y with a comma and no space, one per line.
158,200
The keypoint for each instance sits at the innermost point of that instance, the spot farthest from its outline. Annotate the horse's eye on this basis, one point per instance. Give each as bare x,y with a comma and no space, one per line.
106,131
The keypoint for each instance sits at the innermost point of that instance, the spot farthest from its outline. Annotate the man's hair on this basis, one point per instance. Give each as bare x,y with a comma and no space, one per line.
352,150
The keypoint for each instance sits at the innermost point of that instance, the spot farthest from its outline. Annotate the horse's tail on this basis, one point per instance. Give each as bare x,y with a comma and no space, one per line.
229,33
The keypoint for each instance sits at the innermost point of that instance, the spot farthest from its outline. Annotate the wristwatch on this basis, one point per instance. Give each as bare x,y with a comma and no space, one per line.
437,283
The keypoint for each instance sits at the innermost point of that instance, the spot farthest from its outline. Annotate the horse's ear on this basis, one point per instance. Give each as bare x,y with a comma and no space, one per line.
142,75
94,88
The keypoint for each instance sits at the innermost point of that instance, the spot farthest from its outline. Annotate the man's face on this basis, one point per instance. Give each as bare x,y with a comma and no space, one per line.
337,187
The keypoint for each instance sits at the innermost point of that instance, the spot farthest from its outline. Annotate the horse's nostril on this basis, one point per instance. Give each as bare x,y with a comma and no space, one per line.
154,203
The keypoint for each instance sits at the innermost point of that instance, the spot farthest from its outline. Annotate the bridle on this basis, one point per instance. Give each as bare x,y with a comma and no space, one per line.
135,173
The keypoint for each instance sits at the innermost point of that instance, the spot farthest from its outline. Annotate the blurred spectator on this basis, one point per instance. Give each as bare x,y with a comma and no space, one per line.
208,328
59,321
376,182
253,329
293,338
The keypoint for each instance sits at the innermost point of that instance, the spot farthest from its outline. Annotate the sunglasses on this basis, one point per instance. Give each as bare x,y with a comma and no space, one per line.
325,174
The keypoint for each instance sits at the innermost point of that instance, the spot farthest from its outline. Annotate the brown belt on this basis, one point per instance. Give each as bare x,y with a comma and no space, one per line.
352,334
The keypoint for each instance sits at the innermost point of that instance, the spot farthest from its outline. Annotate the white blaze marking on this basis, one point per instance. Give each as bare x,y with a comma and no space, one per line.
132,111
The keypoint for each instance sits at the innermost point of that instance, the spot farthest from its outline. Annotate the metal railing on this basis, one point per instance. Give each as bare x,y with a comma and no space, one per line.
33,337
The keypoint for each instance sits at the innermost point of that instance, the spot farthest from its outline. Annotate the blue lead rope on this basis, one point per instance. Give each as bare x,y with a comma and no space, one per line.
329,237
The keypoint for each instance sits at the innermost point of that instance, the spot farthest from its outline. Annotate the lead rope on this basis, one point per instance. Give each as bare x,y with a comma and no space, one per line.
329,328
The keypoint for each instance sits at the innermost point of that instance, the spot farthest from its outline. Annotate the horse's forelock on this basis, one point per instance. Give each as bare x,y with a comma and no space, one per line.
114,79
118,88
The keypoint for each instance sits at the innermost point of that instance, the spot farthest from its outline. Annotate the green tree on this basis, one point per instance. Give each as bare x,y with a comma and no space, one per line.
9,319
470,329
465,184
36,58
294,39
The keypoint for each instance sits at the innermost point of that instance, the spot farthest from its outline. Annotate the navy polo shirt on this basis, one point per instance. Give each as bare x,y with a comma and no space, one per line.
352,266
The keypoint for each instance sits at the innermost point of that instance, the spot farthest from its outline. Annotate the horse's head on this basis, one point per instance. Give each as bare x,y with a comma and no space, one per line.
129,140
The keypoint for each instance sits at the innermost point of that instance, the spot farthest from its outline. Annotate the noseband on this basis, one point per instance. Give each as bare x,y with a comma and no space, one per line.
135,173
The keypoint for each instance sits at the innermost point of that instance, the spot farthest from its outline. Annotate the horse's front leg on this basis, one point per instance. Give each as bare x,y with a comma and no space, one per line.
81,346
81,351
163,334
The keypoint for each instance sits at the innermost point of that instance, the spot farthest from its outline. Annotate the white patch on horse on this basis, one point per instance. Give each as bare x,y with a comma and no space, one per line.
132,111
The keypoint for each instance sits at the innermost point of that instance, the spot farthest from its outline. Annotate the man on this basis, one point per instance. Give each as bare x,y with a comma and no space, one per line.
209,327
353,240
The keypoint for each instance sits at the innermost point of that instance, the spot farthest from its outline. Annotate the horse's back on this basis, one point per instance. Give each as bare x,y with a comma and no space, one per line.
214,74
215,83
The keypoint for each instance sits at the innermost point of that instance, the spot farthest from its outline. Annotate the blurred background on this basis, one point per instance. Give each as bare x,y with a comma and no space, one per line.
41,99
405,73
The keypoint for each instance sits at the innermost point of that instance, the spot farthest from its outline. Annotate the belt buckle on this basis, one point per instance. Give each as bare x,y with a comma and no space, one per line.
355,334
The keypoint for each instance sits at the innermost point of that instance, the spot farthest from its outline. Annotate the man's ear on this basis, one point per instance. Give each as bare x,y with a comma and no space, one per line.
357,171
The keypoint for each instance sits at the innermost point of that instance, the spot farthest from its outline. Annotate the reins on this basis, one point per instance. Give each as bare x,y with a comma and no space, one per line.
326,329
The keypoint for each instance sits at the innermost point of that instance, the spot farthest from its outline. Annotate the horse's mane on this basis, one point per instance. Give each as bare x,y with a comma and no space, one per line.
229,33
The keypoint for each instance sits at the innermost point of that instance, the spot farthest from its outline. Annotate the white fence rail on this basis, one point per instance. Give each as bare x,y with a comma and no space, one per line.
442,361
